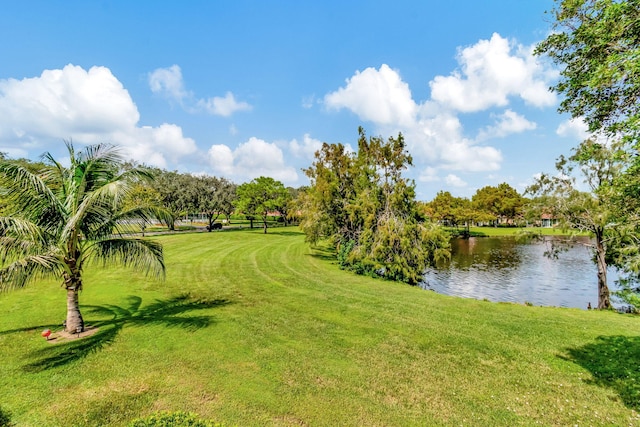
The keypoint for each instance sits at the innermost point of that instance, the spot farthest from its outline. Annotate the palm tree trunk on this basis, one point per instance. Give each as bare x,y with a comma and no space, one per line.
73,284
75,323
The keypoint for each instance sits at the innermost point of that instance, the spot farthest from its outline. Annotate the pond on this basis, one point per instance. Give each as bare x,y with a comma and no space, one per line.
503,269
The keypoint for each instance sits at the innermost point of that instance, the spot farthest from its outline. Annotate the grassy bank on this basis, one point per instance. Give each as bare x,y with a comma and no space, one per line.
507,231
253,329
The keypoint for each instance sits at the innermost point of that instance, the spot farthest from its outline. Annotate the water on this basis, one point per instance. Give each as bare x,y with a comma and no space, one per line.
502,269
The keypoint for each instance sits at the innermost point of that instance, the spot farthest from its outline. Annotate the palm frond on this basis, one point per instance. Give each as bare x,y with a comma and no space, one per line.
141,254
28,194
21,228
20,272
146,214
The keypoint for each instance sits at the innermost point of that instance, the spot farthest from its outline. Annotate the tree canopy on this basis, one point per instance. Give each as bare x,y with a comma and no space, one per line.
363,205
261,197
597,45
501,203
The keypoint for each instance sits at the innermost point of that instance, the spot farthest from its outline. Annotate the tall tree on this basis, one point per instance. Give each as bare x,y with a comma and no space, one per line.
367,208
590,211
596,43
63,218
260,197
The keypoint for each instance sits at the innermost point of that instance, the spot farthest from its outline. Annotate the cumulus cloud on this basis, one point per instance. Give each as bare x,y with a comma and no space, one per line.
507,123
454,181
251,159
440,140
490,72
374,95
307,148
574,128
87,106
429,174
169,82
223,106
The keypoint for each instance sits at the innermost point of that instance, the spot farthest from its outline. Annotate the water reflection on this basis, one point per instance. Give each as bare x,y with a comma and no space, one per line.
503,269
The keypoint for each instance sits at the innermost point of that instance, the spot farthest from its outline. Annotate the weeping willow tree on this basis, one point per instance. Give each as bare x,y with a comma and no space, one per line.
59,219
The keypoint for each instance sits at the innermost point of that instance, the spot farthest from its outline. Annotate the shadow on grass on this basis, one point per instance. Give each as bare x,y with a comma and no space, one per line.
324,253
281,232
168,313
614,363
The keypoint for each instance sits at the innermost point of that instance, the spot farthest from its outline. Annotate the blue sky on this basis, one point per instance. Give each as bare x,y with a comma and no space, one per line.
247,88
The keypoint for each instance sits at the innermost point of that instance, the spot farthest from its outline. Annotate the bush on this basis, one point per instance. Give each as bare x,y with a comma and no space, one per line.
5,418
172,419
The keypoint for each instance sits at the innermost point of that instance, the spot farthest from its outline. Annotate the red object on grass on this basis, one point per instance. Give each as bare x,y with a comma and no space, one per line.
46,333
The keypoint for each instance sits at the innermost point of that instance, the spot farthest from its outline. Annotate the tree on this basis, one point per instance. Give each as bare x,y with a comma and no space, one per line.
144,195
215,197
294,206
597,45
502,202
178,192
325,204
454,211
361,202
591,212
64,218
286,204
260,197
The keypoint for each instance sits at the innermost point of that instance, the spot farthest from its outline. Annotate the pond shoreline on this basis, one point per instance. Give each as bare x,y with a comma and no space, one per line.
505,269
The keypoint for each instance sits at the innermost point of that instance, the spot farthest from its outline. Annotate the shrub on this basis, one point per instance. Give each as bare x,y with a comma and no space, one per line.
173,419
5,418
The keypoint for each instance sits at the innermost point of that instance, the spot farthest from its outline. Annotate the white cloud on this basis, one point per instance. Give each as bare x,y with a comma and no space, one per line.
492,71
251,159
379,96
574,128
86,106
454,181
433,135
507,123
168,82
439,140
308,101
429,174
224,107
221,160
307,148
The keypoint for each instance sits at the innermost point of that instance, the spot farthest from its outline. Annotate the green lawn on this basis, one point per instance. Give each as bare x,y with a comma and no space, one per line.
252,329
509,231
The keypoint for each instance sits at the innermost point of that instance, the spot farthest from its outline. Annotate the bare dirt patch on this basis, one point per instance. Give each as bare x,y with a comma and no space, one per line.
63,336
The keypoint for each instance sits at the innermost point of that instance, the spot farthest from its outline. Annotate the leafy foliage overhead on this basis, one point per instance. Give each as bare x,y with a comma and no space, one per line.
597,44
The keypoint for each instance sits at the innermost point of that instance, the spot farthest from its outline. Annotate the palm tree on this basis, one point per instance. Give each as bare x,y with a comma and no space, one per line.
60,219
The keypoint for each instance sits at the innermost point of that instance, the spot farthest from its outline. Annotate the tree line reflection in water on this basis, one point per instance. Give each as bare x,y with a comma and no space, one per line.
505,269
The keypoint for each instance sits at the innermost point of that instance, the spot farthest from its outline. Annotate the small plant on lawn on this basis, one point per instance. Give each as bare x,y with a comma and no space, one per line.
173,419
5,418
